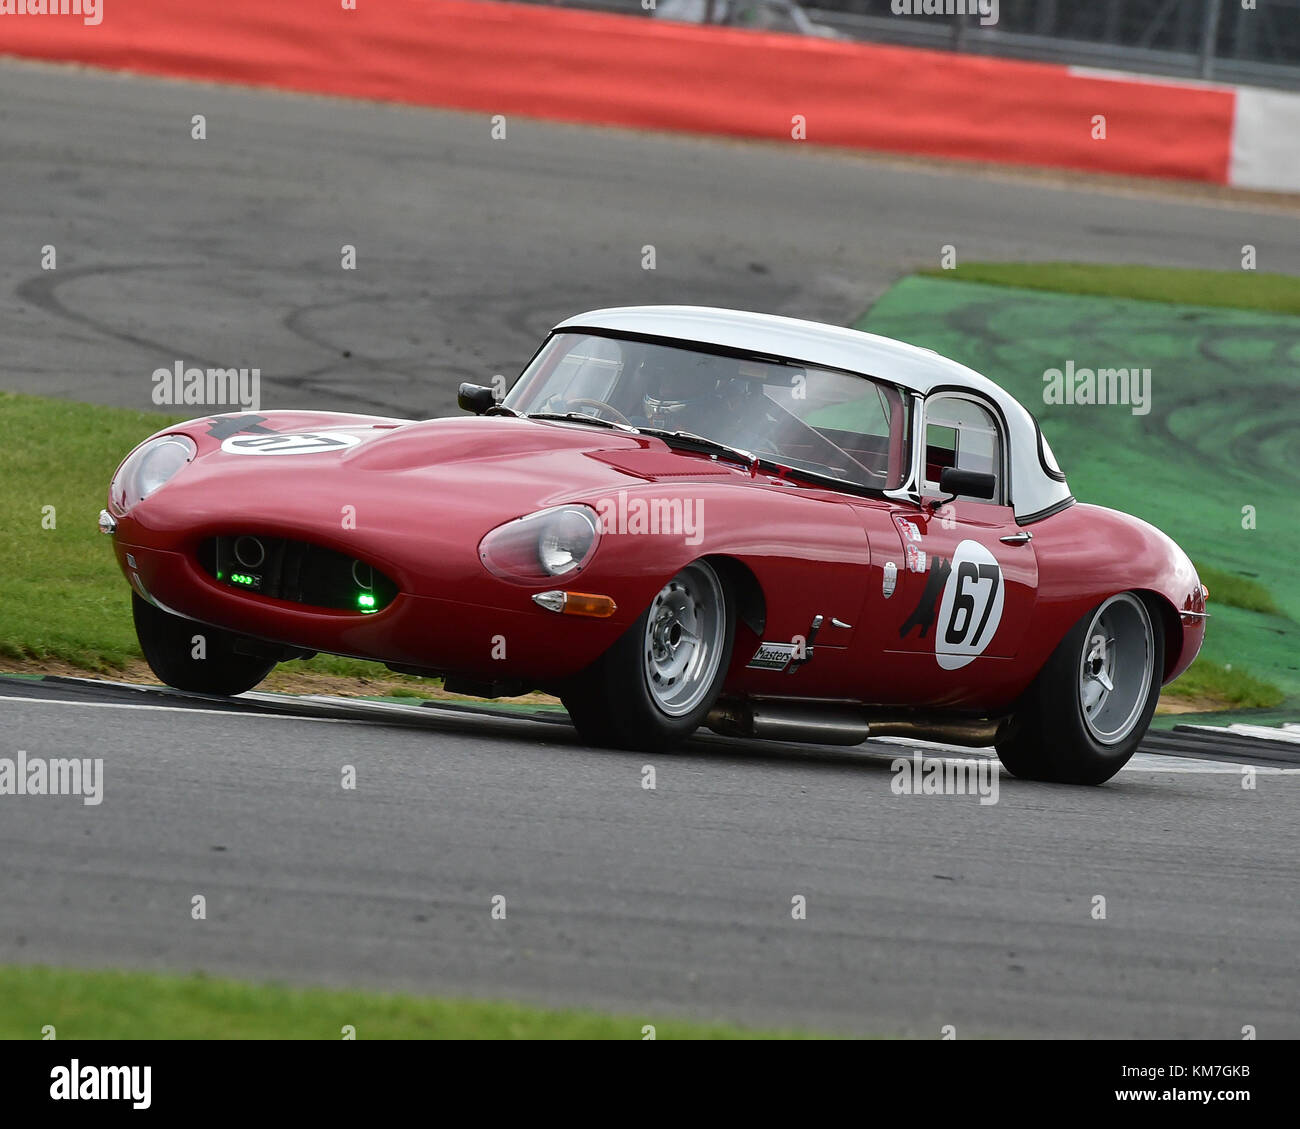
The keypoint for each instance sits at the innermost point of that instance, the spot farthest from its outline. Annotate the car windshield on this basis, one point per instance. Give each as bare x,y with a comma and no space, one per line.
821,421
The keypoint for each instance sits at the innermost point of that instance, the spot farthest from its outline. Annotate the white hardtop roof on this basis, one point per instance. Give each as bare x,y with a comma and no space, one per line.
1033,489
830,346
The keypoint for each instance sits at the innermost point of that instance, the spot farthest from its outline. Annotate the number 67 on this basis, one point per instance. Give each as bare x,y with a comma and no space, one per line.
964,603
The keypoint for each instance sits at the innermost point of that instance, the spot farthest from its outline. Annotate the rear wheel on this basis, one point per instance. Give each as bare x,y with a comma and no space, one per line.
654,687
193,657
1089,708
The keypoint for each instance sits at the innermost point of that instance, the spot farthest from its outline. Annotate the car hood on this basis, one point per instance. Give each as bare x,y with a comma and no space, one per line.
534,462
415,499
474,471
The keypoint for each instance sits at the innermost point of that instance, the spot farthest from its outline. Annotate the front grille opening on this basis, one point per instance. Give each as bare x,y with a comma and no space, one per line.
296,571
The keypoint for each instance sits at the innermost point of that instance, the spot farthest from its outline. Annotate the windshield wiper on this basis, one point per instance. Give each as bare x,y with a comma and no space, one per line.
501,410
579,417
703,444
711,446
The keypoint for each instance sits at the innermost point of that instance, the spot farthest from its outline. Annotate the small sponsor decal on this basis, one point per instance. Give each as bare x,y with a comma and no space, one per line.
916,559
907,529
772,656
890,581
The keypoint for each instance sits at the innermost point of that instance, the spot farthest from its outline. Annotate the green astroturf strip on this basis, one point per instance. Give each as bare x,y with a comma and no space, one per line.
1239,289
1222,434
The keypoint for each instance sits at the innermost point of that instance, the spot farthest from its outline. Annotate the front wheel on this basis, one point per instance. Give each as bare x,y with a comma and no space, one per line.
654,687
193,657
1089,708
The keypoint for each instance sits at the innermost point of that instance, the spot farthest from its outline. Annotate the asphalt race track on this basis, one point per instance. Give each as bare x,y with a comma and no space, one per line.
226,252
922,911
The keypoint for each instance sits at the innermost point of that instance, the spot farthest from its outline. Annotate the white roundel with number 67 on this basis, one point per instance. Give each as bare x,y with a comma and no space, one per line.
299,443
971,608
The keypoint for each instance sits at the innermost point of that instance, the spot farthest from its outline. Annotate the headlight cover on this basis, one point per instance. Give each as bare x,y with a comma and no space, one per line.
550,543
149,468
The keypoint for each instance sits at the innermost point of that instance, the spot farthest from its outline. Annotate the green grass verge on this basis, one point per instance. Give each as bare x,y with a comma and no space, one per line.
139,1005
1225,683
1222,438
1241,290
1236,591
1263,640
62,596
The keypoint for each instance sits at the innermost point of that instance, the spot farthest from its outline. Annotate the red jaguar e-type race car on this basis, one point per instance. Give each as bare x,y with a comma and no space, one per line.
678,517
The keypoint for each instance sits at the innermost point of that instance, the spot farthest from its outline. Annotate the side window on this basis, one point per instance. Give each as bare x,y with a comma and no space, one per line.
961,433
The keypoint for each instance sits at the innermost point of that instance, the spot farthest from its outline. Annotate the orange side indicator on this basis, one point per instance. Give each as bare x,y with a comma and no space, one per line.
583,603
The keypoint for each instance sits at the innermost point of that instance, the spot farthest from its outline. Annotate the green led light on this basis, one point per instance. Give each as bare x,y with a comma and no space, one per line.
241,578
365,600
220,576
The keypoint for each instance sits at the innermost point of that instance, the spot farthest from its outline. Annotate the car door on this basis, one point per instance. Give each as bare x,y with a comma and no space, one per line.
966,575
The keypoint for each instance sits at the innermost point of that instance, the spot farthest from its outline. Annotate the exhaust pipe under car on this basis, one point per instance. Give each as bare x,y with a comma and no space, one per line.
836,723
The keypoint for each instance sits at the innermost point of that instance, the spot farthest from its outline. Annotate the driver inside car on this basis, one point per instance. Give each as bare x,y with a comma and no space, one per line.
705,396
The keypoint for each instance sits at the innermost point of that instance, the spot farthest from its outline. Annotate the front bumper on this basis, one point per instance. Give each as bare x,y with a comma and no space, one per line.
437,634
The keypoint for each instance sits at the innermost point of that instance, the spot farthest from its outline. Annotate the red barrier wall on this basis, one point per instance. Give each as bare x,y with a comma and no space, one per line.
618,70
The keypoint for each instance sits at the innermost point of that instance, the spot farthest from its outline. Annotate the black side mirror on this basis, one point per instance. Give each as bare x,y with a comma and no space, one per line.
967,483
475,398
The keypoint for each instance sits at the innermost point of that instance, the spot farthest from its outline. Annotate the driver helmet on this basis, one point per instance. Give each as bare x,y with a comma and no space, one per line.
674,393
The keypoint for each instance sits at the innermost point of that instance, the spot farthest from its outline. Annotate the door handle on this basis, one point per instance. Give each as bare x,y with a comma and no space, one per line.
1021,538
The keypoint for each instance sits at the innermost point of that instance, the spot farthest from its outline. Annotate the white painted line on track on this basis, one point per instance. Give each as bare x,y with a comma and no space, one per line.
1210,768
1152,762
382,711
379,708
1141,762
180,709
1284,734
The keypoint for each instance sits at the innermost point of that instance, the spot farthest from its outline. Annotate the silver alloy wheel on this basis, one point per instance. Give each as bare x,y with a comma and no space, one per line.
684,639
1116,668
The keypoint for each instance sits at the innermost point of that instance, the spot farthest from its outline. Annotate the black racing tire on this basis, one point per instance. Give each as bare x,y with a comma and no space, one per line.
629,697
168,644
1067,728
